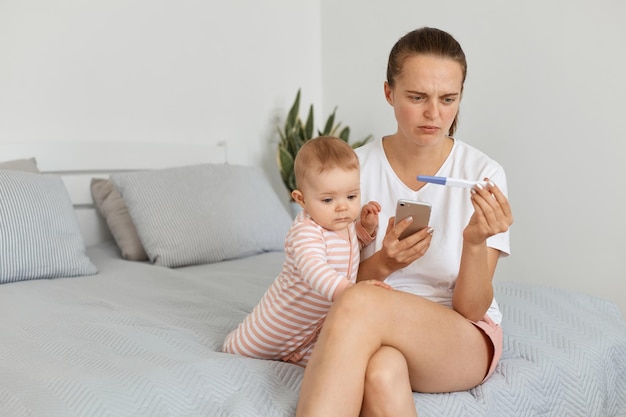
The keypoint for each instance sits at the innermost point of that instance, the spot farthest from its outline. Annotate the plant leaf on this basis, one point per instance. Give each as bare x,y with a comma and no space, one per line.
293,114
345,134
362,142
285,161
308,129
299,137
292,181
328,128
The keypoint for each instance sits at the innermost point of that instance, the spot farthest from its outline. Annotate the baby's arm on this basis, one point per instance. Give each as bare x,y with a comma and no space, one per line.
367,223
308,247
369,217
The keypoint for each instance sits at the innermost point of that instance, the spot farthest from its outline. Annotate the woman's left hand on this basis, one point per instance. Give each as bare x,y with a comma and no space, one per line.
492,213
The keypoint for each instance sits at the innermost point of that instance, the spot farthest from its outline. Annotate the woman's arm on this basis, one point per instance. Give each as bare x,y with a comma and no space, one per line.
473,291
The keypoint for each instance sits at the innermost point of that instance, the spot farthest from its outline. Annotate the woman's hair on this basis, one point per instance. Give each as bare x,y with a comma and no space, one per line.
322,153
426,41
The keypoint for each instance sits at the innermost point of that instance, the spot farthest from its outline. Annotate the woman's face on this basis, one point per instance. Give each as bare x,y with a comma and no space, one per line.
425,98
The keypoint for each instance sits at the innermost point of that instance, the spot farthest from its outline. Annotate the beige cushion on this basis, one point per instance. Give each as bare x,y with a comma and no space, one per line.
27,165
112,208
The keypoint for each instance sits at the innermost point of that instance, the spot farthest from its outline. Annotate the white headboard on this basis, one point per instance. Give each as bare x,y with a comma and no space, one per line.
79,162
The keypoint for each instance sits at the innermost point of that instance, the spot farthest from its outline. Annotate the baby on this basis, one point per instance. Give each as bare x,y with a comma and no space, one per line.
322,254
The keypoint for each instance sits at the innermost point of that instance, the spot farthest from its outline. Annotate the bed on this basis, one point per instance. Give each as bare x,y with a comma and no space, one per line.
99,321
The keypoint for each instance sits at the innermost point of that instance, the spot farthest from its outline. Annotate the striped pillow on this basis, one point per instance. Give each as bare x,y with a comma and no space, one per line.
39,232
203,213
27,164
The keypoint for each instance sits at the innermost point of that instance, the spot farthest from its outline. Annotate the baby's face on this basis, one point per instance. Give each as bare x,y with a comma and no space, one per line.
333,197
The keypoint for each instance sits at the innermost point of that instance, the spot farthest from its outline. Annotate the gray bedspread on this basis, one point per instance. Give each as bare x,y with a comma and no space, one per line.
141,340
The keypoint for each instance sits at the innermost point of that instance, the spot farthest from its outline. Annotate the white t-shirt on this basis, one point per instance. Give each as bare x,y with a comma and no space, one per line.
432,276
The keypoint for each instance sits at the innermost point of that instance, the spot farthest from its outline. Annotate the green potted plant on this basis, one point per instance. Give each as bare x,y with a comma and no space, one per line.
295,133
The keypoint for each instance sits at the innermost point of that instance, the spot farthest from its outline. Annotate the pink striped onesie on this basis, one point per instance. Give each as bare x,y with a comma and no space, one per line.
319,265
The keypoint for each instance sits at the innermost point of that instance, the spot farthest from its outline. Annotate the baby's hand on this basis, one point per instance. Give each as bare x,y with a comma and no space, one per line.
376,283
369,216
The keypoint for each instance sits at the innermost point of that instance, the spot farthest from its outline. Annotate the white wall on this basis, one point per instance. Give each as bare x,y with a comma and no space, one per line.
143,70
545,96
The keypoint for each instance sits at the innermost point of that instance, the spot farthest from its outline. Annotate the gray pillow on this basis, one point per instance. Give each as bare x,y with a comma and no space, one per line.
203,213
112,208
27,165
40,236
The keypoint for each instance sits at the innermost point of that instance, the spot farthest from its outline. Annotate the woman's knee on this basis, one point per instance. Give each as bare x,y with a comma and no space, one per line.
387,390
357,300
386,370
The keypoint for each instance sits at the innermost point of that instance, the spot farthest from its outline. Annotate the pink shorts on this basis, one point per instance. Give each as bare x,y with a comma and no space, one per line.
494,333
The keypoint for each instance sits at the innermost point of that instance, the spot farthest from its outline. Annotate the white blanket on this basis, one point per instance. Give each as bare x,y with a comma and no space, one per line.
141,340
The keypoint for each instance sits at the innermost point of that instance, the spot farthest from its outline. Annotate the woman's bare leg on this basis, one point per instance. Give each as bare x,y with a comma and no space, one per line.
444,352
387,387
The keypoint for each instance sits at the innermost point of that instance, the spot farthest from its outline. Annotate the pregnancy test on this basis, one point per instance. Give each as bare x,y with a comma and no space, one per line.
450,182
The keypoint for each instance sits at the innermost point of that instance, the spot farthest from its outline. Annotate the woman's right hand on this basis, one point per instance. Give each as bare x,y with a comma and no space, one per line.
396,254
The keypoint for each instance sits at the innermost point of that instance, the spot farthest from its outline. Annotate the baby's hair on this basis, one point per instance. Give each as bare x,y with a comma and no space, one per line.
426,41
322,153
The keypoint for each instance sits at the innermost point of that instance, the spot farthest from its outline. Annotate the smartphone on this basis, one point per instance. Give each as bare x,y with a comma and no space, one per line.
418,210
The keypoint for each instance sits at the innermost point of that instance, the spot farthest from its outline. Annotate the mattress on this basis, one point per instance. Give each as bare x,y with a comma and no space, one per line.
142,340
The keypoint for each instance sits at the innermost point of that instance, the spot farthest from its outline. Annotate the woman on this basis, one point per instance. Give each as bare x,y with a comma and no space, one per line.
438,330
